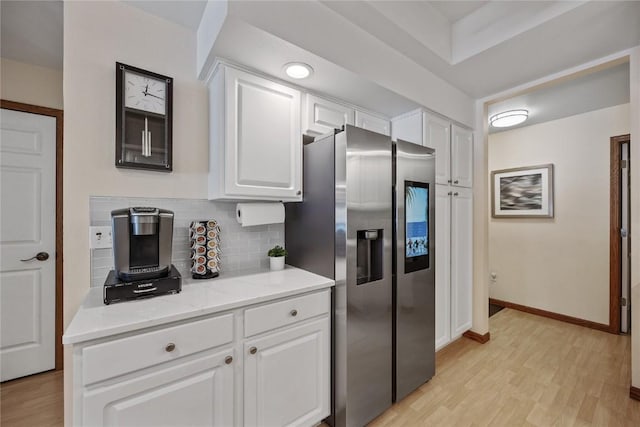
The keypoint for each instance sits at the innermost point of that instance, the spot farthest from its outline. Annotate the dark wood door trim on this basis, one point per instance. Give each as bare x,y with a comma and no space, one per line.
59,116
615,240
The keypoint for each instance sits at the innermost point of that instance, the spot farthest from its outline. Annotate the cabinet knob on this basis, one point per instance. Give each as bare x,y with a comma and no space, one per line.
253,350
449,181
455,194
294,312
455,182
228,360
170,347
298,193
449,193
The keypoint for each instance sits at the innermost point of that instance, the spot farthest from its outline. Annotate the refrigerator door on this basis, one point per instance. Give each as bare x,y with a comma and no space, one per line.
414,281
364,336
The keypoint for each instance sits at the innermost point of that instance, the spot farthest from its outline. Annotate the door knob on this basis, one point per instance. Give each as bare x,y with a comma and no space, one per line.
40,256
228,360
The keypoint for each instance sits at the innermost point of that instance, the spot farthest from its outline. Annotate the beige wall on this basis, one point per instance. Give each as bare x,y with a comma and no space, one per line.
30,84
96,35
635,217
559,264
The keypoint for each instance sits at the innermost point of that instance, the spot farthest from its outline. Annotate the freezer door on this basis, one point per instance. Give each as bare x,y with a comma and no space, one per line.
363,300
414,281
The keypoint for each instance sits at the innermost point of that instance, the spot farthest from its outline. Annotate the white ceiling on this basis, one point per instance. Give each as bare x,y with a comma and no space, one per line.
31,32
588,92
480,47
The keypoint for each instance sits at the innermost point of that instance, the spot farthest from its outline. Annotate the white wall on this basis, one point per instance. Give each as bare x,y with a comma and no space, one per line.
30,84
559,264
96,35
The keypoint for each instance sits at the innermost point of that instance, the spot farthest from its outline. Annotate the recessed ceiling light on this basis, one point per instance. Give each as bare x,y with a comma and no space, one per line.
508,118
298,70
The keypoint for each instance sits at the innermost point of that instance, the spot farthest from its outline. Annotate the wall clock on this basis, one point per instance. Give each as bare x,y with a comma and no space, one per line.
144,117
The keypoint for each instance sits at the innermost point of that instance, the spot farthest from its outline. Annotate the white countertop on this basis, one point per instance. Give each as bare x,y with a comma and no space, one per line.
198,297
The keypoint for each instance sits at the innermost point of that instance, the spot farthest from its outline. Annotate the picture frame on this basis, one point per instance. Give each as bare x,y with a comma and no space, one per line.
524,192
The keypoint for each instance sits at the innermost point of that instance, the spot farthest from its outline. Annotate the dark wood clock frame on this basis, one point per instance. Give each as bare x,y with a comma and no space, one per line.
128,121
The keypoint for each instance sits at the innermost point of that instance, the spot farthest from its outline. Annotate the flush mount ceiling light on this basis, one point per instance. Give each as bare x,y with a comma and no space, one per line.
508,118
298,70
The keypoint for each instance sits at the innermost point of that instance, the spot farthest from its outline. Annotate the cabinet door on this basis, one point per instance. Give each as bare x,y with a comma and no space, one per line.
443,265
461,260
287,377
195,392
437,135
323,116
373,123
461,157
408,127
263,142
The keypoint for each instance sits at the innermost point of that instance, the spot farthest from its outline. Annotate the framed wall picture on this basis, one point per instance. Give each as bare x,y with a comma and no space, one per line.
144,119
525,192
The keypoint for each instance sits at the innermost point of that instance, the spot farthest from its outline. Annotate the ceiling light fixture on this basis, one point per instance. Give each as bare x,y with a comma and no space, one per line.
298,70
508,118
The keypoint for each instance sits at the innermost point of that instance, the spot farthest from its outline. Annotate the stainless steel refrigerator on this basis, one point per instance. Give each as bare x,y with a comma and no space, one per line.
367,221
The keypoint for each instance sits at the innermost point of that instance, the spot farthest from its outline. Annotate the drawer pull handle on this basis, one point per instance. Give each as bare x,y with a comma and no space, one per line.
228,360
294,312
253,350
170,347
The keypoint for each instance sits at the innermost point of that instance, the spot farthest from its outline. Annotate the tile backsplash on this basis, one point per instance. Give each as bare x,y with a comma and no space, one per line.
242,247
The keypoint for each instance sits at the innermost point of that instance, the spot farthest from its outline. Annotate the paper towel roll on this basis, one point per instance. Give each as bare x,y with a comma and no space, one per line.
249,214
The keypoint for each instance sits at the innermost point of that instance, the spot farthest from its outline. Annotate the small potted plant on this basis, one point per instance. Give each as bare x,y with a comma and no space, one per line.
276,257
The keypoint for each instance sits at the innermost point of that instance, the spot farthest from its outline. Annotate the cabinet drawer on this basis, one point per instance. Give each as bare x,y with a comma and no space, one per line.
113,358
287,312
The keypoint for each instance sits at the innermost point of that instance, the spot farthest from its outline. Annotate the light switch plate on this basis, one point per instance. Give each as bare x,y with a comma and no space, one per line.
100,237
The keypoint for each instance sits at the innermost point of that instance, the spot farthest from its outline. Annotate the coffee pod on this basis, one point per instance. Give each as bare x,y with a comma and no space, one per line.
212,264
211,224
200,250
212,254
200,229
211,234
201,269
201,240
211,244
200,260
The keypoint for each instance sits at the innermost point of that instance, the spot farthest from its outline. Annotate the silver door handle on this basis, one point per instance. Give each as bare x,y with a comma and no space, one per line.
40,256
144,291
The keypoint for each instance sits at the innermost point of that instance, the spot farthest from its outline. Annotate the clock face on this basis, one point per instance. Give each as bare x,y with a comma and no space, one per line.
145,93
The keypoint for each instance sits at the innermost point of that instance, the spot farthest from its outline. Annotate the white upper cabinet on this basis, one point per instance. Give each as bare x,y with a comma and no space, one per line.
437,135
323,116
408,127
461,157
373,123
255,138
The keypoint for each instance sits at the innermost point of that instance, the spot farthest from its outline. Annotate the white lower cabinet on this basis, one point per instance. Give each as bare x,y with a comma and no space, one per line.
195,392
190,374
454,262
286,376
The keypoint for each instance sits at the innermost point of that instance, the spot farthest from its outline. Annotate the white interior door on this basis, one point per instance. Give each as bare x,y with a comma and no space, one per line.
27,228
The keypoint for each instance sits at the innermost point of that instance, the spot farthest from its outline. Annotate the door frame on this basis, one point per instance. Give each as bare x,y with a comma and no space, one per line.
615,240
59,116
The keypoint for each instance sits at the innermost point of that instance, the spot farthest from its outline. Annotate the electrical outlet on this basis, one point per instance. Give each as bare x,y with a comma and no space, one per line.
100,237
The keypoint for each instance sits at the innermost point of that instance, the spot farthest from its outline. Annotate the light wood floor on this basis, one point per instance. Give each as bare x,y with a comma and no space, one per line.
533,372
34,401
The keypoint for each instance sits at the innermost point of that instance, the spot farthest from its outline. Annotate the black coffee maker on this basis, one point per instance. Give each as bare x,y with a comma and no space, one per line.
142,238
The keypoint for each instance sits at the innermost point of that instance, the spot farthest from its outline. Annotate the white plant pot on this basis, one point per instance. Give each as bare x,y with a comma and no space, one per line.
276,263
